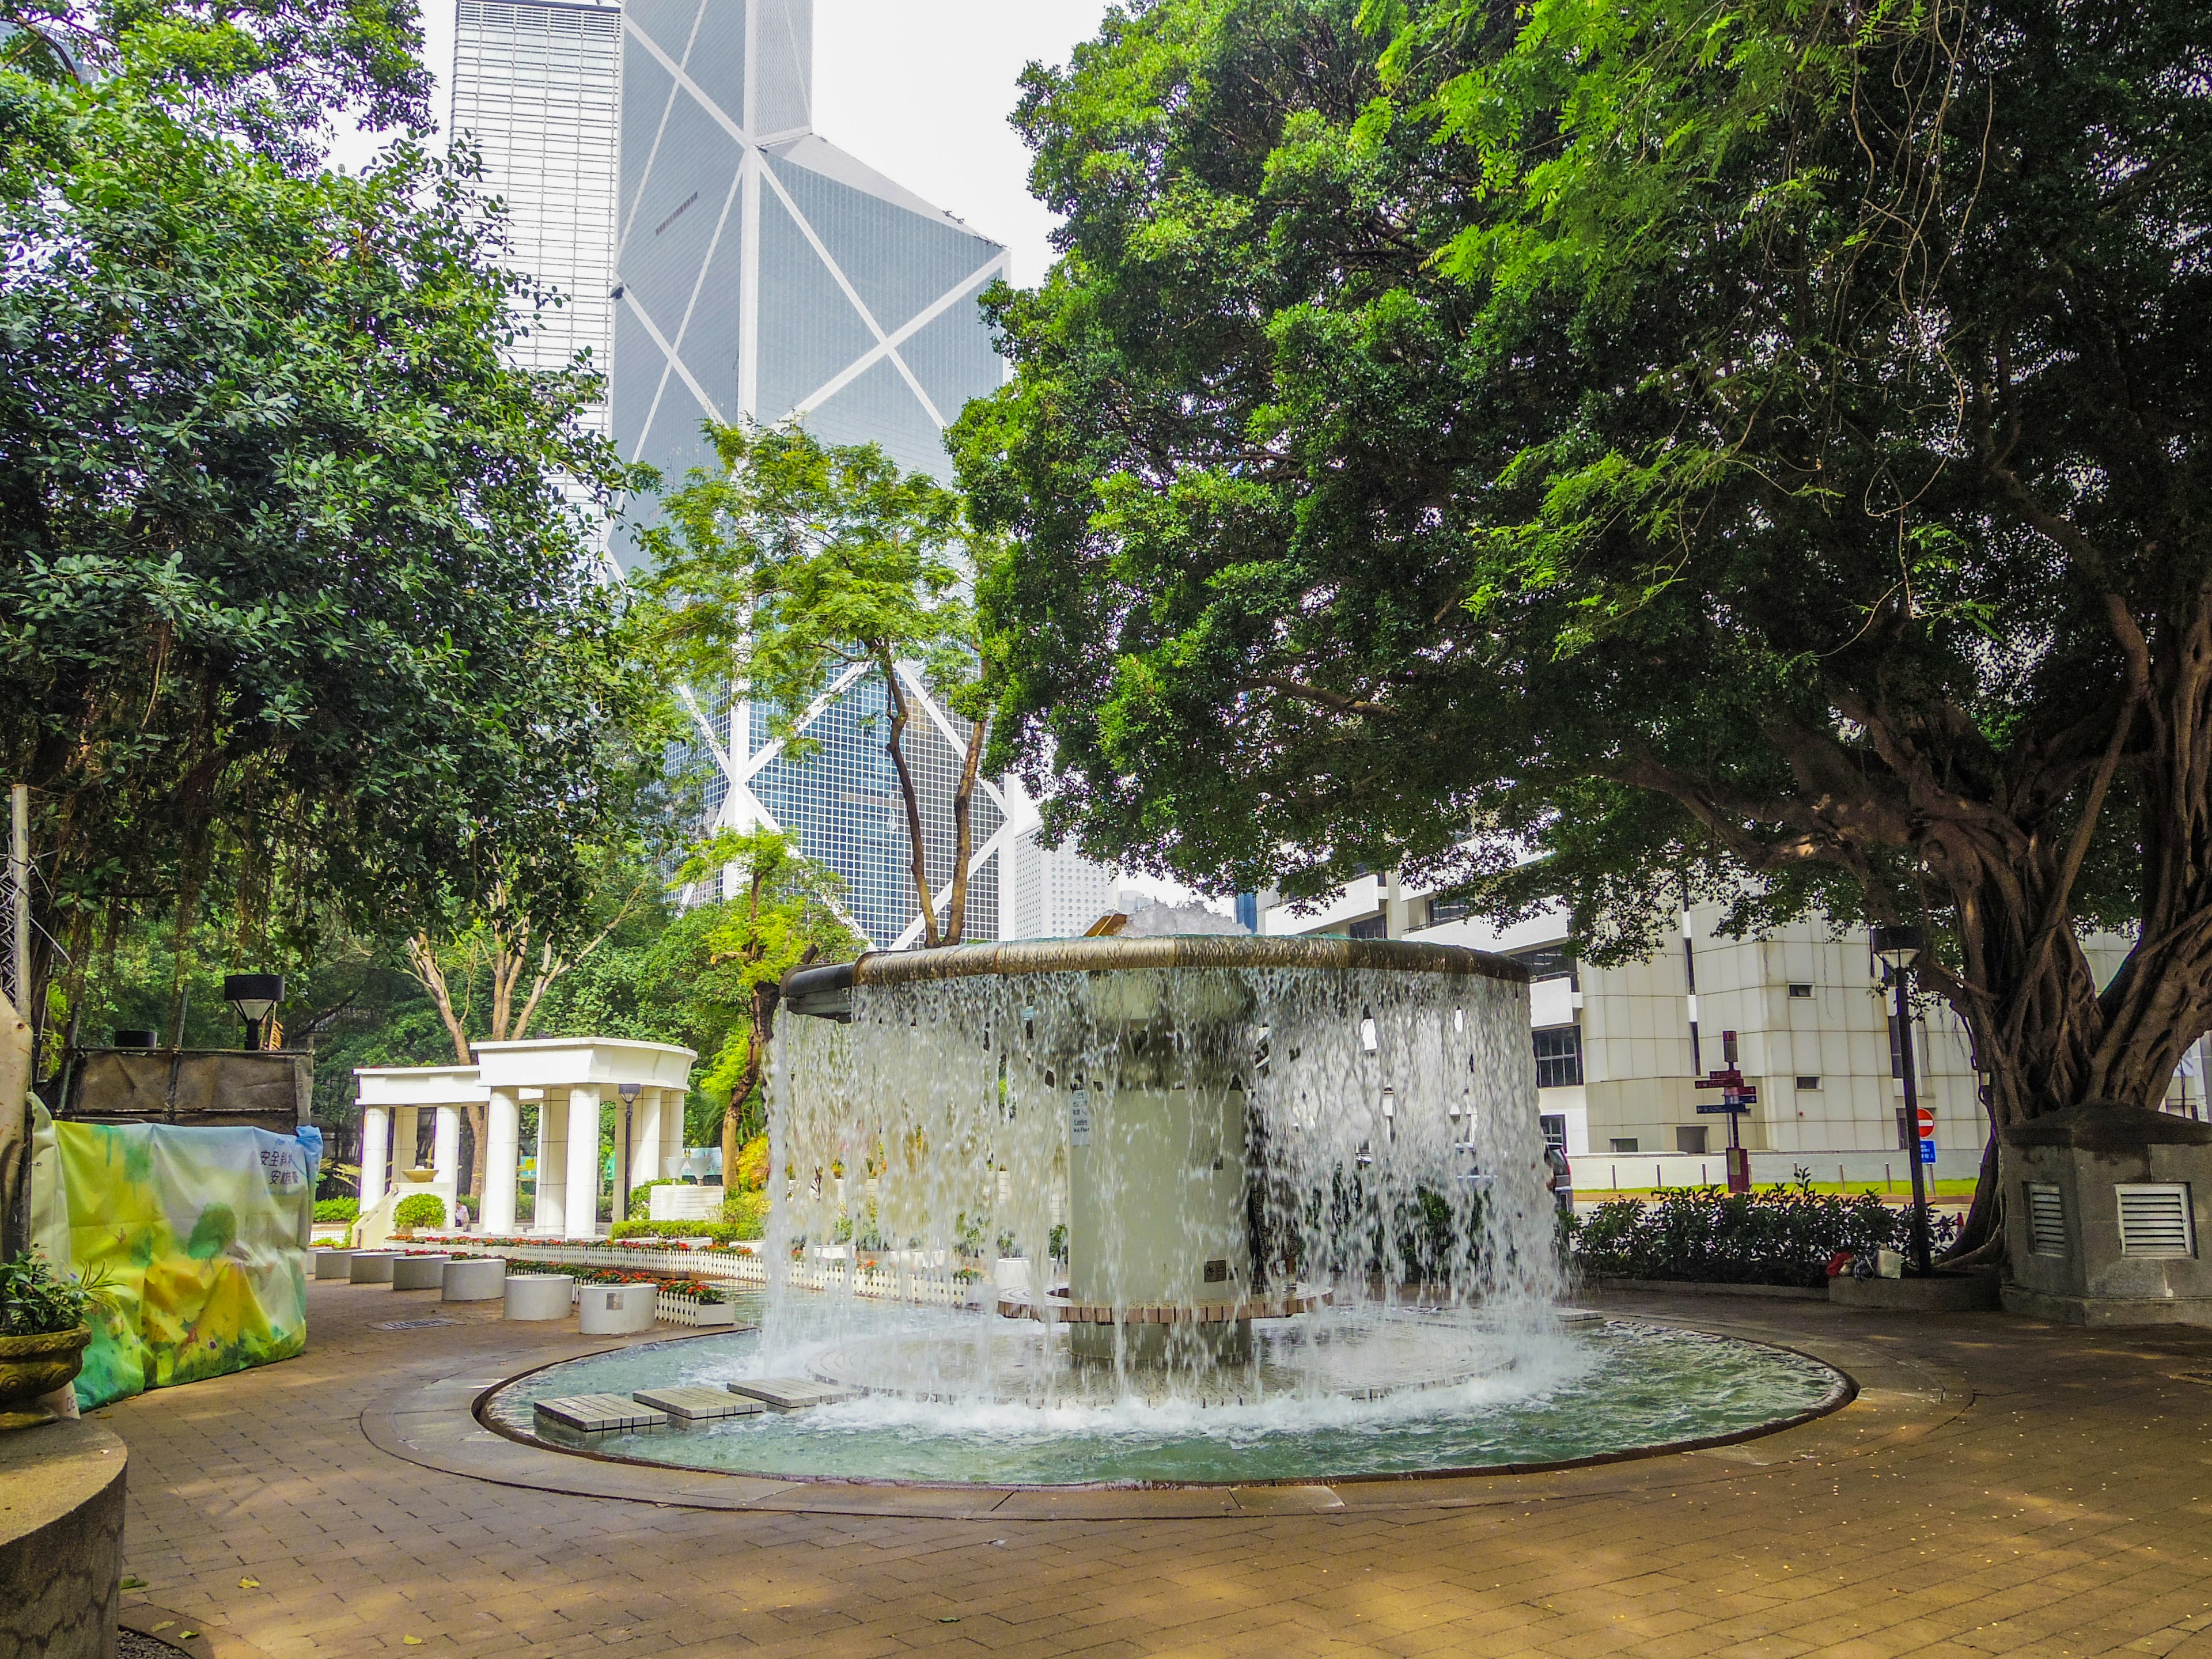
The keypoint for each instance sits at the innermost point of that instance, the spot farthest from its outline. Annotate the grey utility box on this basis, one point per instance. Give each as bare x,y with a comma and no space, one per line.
2106,1210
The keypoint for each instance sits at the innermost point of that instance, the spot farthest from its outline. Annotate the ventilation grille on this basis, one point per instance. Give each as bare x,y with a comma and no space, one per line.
2154,1221
2047,1219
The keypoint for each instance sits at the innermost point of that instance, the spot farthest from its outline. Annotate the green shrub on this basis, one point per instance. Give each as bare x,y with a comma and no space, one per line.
721,1232
419,1210
641,1201
1783,1236
338,1209
747,1213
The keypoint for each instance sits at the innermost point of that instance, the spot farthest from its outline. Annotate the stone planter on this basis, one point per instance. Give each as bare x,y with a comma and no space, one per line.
334,1264
370,1268
418,1273
34,1366
539,1296
615,1310
1941,1293
479,1278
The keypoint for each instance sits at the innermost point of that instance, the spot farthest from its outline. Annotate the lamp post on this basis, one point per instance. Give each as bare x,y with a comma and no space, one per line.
1898,947
629,1092
252,996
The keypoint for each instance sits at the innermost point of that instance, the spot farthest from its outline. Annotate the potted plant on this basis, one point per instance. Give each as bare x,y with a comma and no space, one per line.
44,1328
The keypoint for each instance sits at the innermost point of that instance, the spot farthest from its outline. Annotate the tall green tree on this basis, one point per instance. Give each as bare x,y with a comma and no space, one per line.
294,604
803,560
1758,451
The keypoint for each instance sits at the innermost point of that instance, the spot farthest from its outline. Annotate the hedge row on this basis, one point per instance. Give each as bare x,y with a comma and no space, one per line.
1783,1235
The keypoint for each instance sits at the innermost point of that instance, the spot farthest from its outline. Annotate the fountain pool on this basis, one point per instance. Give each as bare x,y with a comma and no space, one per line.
1190,1209
1591,1390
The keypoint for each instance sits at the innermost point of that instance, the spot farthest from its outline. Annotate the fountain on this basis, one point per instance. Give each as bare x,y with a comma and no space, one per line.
1180,1208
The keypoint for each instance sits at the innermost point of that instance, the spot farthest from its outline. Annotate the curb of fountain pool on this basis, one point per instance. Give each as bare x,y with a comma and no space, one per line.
1889,1397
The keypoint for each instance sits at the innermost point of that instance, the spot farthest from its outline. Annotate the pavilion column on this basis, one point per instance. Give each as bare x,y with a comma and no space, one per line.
502,1152
583,1194
446,1147
375,1147
671,1131
645,1138
552,1209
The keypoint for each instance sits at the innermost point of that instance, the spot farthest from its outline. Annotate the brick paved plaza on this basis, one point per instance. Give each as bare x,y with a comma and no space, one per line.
2000,1487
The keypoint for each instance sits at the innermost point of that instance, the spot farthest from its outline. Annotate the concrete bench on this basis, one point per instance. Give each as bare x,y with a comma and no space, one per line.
537,1296
333,1264
695,1403
418,1273
616,1310
370,1268
600,1414
473,1279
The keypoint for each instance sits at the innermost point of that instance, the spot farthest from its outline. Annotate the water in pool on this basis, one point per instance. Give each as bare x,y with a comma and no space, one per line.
1580,1391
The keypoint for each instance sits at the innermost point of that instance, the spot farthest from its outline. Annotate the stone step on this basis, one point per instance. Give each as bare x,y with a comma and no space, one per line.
600,1413
790,1394
697,1403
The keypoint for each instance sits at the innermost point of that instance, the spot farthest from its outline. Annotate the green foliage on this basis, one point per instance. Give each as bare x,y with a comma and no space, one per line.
419,1210
338,1209
747,1213
1688,446
1783,1236
37,1301
802,561
296,616
751,1173
720,1232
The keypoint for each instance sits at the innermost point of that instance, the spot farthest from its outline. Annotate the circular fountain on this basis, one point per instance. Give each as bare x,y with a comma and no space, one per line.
1182,1208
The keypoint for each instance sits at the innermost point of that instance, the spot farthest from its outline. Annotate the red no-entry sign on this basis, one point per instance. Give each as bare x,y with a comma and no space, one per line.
1927,1124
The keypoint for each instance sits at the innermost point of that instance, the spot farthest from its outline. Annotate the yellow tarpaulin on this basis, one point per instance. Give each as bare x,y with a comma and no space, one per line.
199,1233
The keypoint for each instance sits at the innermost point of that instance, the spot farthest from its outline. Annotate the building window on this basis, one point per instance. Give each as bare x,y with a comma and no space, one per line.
1896,1052
1549,961
1248,912
1697,1059
1690,963
1905,1135
1624,1145
1369,927
1554,1125
1691,1138
1806,1085
1559,1057
1801,990
1441,910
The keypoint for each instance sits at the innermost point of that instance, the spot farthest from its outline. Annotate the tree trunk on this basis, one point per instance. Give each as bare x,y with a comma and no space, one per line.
963,836
896,748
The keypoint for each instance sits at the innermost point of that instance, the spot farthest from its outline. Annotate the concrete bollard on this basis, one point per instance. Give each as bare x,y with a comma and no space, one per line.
333,1264
615,1310
474,1278
371,1267
418,1273
537,1296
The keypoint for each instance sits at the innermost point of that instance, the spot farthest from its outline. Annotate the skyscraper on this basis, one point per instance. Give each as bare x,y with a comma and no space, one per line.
762,274
535,87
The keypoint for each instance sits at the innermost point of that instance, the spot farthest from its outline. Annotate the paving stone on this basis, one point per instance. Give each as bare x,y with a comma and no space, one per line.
698,1404
600,1413
790,1394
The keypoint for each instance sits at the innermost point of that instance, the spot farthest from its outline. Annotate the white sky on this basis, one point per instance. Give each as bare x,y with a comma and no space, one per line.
919,89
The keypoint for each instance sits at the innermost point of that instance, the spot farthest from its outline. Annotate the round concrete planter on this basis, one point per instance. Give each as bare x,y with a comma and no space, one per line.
34,1366
539,1296
615,1310
61,1541
371,1267
334,1264
473,1279
418,1273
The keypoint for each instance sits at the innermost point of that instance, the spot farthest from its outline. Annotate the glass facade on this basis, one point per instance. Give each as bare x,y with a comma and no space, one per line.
761,274
535,90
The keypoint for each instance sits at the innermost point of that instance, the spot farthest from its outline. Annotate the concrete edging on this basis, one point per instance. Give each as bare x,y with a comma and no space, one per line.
1700,1287
61,1539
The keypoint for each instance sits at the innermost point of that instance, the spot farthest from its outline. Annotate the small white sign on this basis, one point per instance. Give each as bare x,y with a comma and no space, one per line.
1078,1118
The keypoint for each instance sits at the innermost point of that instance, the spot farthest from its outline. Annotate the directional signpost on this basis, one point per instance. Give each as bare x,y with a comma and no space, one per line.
1737,1097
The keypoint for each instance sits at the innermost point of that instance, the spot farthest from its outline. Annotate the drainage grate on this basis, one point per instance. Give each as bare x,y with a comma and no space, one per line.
413,1324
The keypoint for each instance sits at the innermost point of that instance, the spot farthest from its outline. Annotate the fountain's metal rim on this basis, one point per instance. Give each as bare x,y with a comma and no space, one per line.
1110,955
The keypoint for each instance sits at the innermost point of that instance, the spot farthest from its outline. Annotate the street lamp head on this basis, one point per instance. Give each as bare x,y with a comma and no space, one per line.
1897,946
252,995
628,1090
